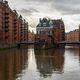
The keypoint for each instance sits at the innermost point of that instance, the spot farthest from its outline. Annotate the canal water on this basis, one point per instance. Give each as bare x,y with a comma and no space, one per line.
29,64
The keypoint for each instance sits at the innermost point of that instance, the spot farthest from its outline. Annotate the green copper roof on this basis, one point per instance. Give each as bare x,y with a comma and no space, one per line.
44,23
49,22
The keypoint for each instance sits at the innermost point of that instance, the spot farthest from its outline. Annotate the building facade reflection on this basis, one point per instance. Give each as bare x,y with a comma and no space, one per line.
31,72
50,61
31,64
12,63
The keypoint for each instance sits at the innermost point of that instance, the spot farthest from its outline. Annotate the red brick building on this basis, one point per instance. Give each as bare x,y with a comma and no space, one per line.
25,30
1,23
58,30
51,31
13,28
31,36
72,35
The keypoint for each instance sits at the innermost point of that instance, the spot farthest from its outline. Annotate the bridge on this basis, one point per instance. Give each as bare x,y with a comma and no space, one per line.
26,42
61,44
69,42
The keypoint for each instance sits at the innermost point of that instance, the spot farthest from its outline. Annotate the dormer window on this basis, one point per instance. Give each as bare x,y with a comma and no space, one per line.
44,24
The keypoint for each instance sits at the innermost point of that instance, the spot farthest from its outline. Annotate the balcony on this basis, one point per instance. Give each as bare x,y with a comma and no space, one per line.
6,37
15,23
15,38
15,26
15,30
15,33
21,35
6,13
6,29
15,19
6,26
21,32
6,17
6,21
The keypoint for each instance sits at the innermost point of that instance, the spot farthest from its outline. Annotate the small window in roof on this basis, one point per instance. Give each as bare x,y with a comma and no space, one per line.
44,24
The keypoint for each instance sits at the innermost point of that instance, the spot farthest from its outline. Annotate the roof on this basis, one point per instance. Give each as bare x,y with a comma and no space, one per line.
45,23
49,22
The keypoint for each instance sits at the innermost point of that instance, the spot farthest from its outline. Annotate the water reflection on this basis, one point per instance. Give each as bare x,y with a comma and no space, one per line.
50,61
30,64
72,59
31,72
11,63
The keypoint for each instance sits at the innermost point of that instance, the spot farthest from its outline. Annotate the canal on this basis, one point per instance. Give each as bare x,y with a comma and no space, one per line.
29,64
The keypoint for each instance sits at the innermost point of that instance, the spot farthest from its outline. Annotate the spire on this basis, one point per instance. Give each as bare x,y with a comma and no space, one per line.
20,17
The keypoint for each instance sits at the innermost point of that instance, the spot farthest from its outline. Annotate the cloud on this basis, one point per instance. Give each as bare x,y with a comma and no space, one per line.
29,11
39,0
67,6
71,22
69,10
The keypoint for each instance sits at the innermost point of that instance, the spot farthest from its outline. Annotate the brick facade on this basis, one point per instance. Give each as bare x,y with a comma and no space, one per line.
58,31
51,31
72,35
31,36
13,28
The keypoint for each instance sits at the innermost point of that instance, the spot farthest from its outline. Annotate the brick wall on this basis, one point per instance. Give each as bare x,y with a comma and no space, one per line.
72,36
13,29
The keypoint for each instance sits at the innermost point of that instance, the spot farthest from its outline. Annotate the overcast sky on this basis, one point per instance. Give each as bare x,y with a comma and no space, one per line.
31,10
